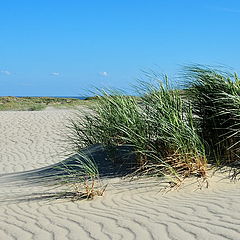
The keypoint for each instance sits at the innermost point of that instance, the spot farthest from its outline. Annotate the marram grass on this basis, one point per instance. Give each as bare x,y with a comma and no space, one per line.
158,126
215,97
170,133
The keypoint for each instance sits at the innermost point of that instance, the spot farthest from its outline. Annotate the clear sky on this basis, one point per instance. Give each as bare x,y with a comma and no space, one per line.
65,47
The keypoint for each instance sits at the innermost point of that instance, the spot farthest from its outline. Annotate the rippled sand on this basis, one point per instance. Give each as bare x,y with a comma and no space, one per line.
30,140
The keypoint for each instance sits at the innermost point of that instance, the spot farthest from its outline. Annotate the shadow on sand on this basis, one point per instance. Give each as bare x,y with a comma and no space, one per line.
124,164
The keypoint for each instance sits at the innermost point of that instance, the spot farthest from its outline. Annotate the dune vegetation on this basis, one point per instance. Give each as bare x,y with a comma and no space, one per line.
215,97
159,128
40,103
171,133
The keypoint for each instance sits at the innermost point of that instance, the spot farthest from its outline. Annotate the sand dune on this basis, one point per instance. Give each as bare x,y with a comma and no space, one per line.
136,210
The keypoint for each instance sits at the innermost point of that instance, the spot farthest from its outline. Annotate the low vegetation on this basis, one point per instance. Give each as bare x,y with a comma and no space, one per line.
80,177
40,103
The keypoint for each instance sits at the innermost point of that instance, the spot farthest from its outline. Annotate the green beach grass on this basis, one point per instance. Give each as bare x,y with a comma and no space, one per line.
159,127
215,97
171,133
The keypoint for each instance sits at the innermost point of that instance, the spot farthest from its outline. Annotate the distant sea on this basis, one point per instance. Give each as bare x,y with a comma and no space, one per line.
78,97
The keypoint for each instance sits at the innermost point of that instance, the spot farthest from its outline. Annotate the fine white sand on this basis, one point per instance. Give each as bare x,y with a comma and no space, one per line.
30,140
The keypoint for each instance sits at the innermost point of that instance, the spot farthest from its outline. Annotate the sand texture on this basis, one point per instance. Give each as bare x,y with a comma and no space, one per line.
136,210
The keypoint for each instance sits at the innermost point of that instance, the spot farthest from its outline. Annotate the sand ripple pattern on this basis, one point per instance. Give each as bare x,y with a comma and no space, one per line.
126,211
30,139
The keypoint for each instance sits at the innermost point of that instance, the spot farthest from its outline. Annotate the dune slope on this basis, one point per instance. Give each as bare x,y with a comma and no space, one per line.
136,210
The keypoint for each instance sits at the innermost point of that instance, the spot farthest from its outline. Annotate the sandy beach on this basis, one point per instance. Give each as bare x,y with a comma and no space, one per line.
136,210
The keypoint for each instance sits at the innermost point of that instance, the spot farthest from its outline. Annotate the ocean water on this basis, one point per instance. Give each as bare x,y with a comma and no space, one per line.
78,97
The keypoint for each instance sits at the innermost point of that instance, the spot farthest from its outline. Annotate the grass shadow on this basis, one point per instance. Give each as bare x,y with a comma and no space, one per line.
66,172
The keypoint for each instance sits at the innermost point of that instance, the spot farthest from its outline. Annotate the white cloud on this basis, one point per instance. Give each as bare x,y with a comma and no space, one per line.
55,73
104,74
5,72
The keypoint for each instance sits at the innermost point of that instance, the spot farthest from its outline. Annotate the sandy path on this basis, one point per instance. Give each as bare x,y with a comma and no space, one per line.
29,140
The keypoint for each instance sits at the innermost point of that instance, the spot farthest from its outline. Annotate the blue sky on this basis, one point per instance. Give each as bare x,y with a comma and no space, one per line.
65,47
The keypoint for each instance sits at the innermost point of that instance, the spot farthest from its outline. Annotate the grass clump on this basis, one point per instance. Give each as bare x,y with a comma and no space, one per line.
215,96
158,127
174,138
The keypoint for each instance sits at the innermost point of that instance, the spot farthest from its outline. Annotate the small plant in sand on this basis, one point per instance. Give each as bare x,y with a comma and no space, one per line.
80,177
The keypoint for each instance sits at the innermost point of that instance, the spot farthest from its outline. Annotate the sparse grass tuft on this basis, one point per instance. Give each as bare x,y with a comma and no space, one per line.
80,178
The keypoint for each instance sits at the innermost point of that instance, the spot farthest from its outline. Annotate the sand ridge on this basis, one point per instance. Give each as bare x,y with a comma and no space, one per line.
135,210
